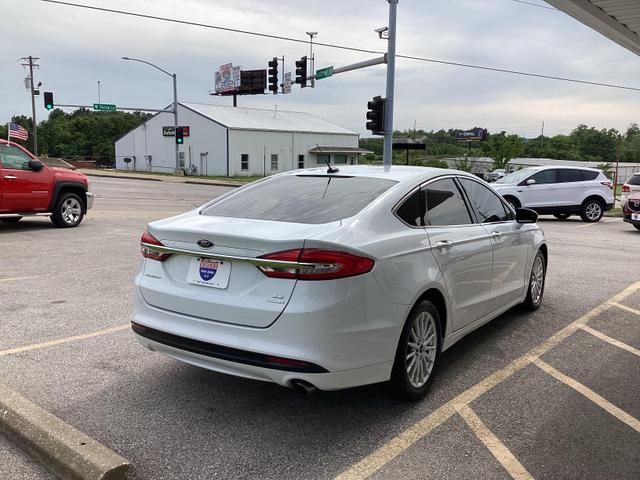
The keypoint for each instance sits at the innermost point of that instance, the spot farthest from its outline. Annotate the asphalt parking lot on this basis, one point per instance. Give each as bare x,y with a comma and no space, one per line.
550,394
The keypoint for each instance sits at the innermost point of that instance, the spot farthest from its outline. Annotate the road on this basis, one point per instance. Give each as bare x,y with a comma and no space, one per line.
175,421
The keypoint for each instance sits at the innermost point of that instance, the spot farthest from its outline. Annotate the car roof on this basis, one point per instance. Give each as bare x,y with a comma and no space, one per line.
397,173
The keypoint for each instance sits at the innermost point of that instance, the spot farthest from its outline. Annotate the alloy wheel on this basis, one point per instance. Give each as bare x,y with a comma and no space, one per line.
71,211
537,279
593,211
422,344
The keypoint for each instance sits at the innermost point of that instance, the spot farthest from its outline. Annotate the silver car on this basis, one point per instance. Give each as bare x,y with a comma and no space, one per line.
331,279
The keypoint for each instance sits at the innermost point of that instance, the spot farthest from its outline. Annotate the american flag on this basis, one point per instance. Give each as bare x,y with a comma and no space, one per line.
17,131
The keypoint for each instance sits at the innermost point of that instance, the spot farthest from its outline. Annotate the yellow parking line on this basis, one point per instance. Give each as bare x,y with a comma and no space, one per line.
628,309
610,340
58,341
401,442
590,394
494,445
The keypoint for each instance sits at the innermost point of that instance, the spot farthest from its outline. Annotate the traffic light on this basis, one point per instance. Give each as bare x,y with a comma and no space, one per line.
273,75
375,115
48,100
179,135
301,71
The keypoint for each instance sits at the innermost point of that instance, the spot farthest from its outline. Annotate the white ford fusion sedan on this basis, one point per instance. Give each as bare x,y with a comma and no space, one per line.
333,278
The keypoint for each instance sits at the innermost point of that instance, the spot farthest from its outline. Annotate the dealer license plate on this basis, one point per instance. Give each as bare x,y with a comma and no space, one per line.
209,272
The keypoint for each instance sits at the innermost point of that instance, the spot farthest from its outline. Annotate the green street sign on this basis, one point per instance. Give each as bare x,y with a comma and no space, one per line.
324,72
104,107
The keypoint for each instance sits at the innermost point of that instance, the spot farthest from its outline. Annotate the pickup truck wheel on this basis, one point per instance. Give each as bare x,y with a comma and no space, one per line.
68,211
10,220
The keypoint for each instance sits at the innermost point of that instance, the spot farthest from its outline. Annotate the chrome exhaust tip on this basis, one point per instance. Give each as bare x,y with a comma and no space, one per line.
303,386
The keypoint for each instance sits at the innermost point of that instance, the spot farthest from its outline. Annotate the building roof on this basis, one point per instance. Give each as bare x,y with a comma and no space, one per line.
318,149
240,118
618,20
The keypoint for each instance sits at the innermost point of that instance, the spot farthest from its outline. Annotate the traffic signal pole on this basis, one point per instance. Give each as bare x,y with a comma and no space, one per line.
31,63
175,122
391,74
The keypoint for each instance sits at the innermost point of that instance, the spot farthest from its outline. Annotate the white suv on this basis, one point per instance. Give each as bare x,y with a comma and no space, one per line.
560,191
631,186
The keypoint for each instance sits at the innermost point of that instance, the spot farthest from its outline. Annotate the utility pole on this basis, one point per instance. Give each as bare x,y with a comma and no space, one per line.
99,92
391,75
31,63
615,177
542,135
312,62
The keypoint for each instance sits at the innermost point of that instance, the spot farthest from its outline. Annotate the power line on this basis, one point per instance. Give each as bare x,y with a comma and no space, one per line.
531,4
344,47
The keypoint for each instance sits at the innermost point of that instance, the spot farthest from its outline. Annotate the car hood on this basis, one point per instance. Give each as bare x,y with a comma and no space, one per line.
634,196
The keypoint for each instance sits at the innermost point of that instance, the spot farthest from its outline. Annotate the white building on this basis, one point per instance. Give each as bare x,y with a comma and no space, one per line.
230,141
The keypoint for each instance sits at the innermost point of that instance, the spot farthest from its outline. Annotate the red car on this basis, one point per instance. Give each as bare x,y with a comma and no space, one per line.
28,187
631,210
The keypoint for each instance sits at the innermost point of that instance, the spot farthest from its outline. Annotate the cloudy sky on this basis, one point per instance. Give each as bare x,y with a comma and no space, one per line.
78,47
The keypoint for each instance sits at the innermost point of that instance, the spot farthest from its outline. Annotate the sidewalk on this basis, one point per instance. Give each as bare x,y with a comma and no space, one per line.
157,178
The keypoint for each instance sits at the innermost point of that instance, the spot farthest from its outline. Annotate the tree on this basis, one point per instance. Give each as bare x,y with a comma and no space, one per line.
595,145
464,164
502,148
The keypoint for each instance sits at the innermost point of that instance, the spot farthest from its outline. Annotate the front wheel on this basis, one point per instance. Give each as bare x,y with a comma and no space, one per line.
592,211
418,353
68,211
536,283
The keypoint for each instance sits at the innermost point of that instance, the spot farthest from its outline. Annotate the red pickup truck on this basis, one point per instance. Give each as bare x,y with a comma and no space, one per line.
28,187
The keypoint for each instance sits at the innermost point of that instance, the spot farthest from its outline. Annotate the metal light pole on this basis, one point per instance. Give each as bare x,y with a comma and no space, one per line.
99,92
311,59
391,75
177,170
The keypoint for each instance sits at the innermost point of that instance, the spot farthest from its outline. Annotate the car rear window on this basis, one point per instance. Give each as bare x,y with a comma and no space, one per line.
634,180
301,198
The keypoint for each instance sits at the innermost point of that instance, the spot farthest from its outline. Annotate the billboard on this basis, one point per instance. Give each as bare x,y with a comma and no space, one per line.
227,78
471,135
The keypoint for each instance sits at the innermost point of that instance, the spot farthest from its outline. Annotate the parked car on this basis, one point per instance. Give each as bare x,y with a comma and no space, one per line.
631,210
497,174
28,187
332,279
632,185
559,191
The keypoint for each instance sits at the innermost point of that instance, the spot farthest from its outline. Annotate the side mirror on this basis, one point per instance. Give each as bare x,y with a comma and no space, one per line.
526,215
35,165
531,181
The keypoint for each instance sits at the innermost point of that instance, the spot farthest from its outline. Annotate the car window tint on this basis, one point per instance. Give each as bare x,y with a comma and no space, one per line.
545,176
487,205
634,180
301,198
12,157
568,175
410,211
589,175
445,205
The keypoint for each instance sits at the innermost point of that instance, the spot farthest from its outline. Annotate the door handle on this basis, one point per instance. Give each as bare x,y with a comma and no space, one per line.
10,177
496,234
444,243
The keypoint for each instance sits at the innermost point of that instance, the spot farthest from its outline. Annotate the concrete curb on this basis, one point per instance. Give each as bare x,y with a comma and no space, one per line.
193,182
65,451
129,177
219,184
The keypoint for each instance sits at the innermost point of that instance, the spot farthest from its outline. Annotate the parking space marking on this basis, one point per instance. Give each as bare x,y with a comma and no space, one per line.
493,444
628,309
401,442
88,269
610,340
58,341
584,225
590,394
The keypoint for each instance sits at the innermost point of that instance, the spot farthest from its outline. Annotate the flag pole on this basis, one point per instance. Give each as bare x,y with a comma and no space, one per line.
8,131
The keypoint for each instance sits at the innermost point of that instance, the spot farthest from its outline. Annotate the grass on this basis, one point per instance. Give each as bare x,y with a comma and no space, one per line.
239,179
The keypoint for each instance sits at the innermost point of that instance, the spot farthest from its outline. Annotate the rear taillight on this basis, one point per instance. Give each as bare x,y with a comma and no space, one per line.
316,264
148,252
626,189
608,184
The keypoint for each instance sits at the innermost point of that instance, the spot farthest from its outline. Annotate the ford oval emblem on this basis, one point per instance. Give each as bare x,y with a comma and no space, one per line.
204,243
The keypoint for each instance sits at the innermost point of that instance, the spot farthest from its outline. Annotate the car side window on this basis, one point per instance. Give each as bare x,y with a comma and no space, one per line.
589,175
569,175
487,205
445,204
544,177
13,158
411,210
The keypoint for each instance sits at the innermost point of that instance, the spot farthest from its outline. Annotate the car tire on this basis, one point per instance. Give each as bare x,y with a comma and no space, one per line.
10,220
417,354
592,211
562,216
68,211
637,227
515,204
535,290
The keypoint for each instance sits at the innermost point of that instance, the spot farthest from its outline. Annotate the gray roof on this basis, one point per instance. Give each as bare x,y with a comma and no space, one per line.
240,118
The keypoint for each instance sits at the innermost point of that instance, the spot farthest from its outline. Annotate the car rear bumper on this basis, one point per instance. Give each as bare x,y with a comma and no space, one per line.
90,197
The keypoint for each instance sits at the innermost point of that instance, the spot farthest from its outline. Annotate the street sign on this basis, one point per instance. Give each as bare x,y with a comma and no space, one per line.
104,107
324,72
171,131
287,83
